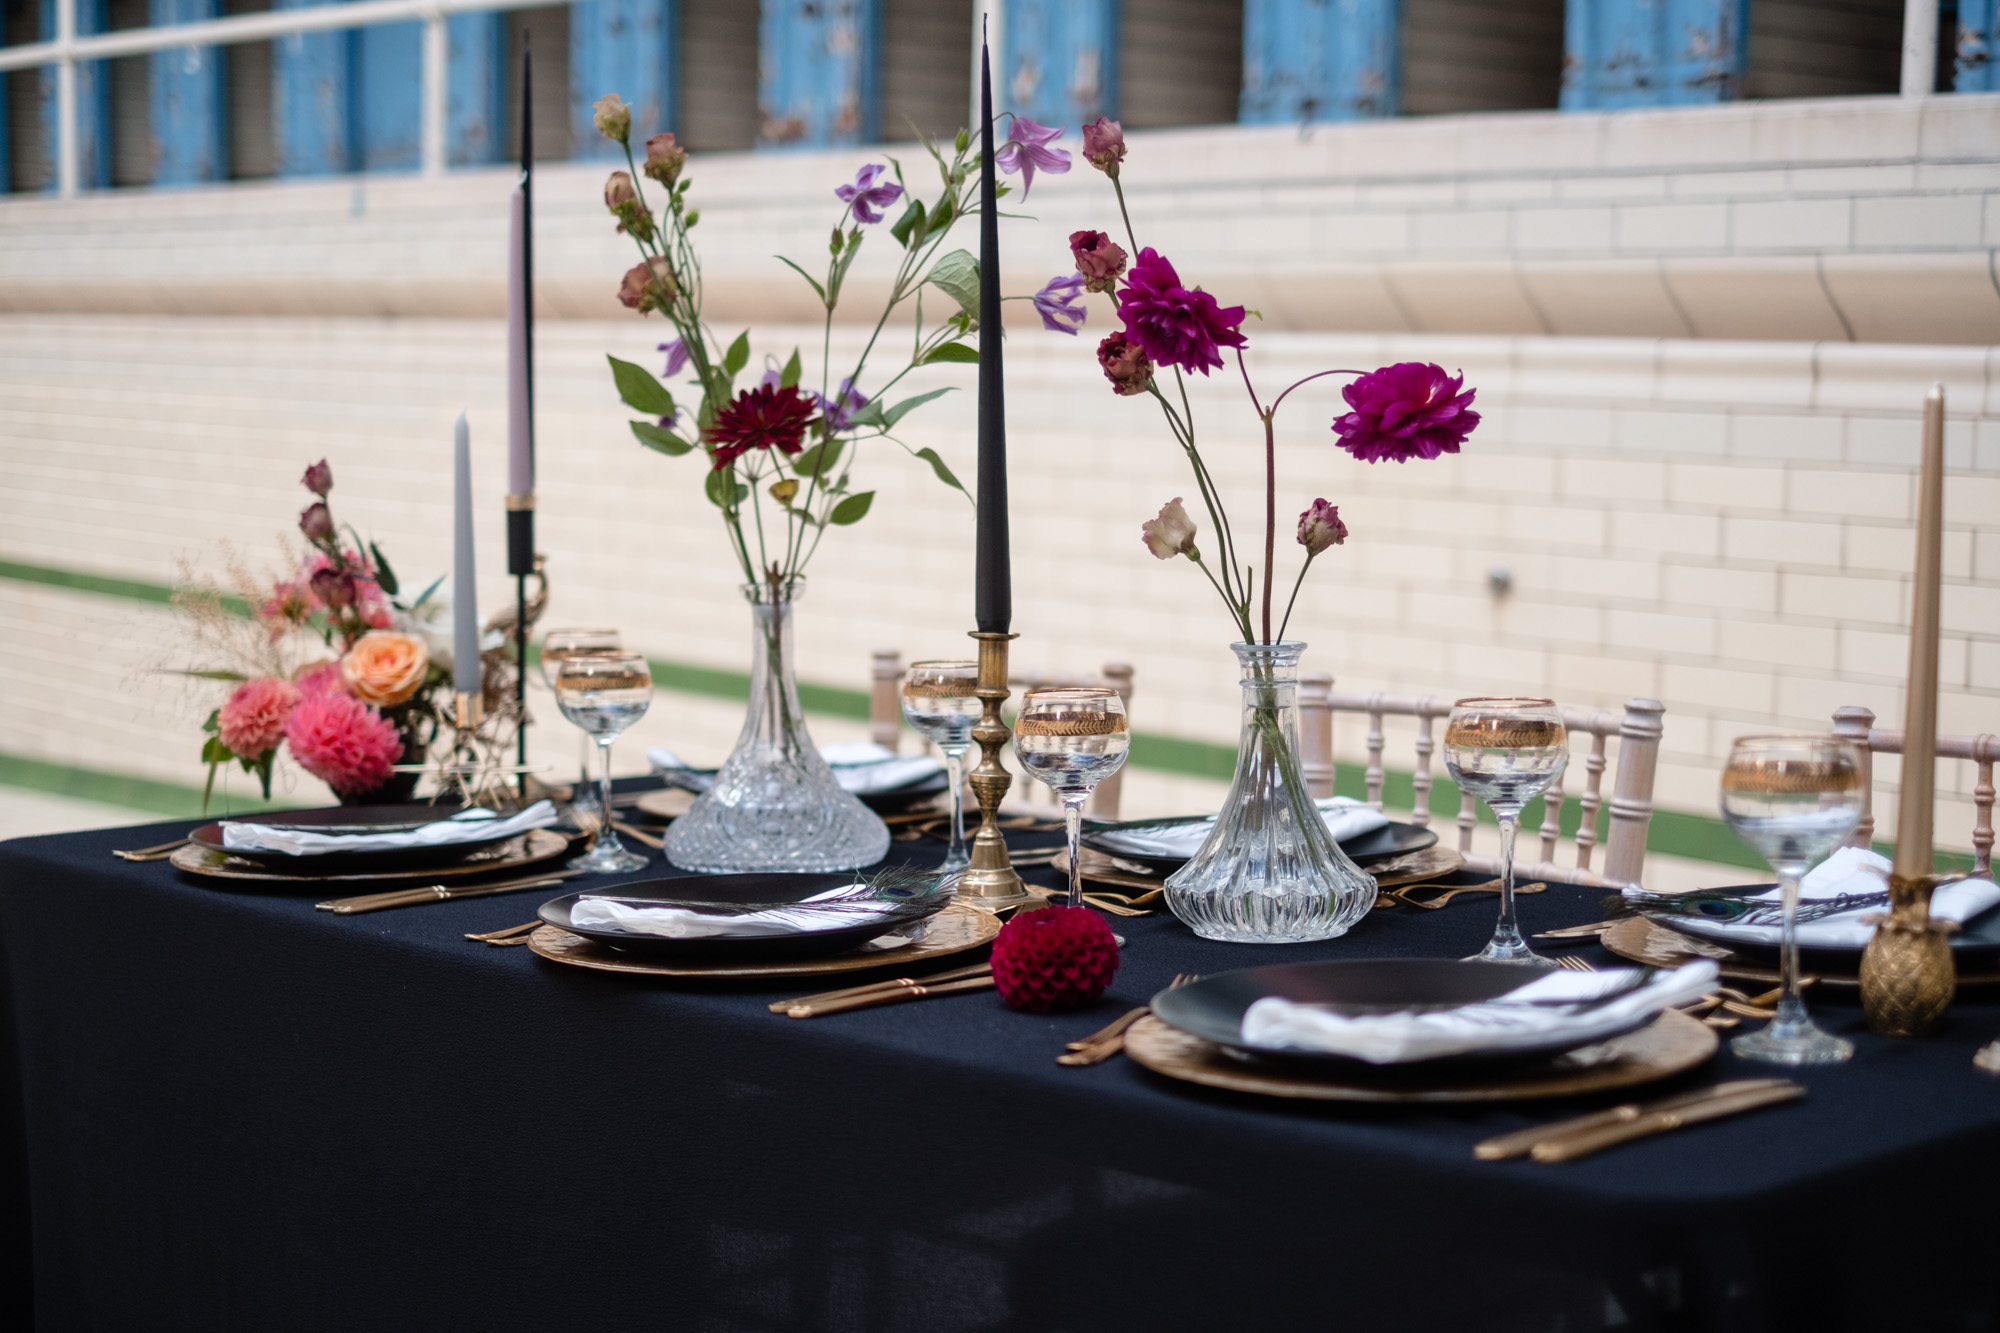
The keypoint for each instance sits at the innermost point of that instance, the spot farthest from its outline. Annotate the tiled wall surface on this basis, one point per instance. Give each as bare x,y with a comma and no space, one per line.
1724,526
1871,219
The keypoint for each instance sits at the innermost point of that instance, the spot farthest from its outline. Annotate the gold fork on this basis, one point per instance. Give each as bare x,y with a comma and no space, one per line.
1107,1041
1575,964
501,936
159,853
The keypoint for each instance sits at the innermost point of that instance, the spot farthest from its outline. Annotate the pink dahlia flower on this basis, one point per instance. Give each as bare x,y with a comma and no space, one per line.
1408,410
343,742
1178,326
253,720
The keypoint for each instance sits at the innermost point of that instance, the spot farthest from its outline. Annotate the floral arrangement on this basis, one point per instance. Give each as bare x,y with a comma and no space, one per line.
781,454
1405,411
325,660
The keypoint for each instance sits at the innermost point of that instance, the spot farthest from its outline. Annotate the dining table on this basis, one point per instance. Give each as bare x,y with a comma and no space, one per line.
221,1108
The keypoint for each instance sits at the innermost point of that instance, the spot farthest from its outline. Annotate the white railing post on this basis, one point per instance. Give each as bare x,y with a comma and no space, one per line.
437,61
1920,47
67,166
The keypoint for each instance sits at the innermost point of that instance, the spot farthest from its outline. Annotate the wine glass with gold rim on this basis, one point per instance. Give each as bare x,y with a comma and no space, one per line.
1506,752
1795,799
940,700
557,645
605,694
1072,739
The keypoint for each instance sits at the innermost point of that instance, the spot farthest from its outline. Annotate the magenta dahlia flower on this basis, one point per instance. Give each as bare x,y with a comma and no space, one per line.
1027,151
1409,410
253,719
343,742
1178,326
865,197
766,417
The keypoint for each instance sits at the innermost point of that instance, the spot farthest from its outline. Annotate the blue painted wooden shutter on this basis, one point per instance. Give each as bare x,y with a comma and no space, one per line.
388,97
476,129
1623,53
1307,60
625,47
818,64
312,76
93,102
1061,62
1976,47
186,101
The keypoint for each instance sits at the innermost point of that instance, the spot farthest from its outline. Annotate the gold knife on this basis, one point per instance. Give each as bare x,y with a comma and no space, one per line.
437,893
897,996
1521,1140
1571,1146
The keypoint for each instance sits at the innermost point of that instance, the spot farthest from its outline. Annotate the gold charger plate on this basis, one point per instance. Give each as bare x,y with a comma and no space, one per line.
531,848
668,804
954,930
1671,1044
1644,941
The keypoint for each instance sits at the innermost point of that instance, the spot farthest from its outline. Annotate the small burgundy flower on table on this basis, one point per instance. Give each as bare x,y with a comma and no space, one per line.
766,417
1027,151
865,197
1098,258
1056,302
1125,364
1408,410
1178,326
1054,958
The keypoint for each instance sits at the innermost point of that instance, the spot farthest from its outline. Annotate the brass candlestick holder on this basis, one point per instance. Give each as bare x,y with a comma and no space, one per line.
990,882
1907,975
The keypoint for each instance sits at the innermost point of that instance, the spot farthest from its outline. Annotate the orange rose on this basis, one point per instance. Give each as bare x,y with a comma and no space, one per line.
385,668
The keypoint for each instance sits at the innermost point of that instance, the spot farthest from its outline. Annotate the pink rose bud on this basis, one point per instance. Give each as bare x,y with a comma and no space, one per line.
1320,527
317,522
1171,534
612,117
1125,364
648,286
1098,258
664,159
1104,144
333,588
318,479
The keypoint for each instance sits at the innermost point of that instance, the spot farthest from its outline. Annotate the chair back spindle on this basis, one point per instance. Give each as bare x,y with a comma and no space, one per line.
1316,733
885,700
1983,750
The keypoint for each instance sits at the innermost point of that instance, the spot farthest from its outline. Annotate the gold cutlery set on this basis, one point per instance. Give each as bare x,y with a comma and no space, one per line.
1566,1140
437,893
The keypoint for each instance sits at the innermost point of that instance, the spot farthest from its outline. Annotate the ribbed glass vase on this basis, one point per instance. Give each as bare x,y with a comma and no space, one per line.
775,805
1270,873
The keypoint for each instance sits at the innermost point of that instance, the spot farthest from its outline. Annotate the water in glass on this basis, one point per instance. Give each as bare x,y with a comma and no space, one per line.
940,701
1506,752
1072,739
557,646
604,694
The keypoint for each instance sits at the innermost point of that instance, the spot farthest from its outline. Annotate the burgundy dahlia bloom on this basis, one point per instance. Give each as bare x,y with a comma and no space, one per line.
1125,364
1408,410
766,417
1098,258
1178,326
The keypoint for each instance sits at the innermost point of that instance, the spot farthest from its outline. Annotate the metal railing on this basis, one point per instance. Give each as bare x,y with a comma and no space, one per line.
68,49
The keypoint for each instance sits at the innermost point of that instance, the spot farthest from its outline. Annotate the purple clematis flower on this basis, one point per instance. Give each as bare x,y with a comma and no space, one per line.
677,358
840,409
866,197
1409,410
1057,301
1026,150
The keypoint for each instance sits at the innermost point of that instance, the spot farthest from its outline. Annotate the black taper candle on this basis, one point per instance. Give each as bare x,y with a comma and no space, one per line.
993,596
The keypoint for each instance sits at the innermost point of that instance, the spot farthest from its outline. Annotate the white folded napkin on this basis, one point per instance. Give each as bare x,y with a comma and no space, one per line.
1853,871
856,907
1531,1015
862,768
474,825
1345,818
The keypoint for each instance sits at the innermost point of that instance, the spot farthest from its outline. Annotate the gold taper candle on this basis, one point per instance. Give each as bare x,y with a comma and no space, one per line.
1914,811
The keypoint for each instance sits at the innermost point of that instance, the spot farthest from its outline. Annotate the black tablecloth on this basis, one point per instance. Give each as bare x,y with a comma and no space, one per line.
239,1113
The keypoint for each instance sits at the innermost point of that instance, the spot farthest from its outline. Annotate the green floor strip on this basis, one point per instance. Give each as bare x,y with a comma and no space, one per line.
1698,837
122,789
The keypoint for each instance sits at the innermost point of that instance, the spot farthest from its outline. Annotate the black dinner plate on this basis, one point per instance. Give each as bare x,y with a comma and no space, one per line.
1391,840
1213,1007
357,819
724,893
1976,943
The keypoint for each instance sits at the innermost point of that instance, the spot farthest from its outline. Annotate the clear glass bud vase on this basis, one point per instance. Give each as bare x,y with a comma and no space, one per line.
775,805
1270,873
